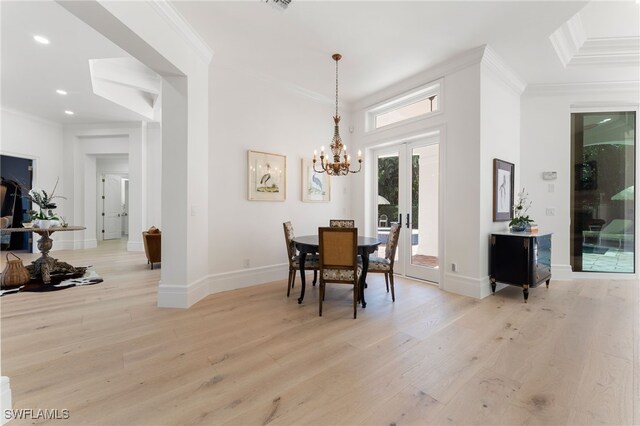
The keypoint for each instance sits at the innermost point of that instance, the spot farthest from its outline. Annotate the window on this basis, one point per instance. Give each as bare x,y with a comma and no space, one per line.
603,192
417,103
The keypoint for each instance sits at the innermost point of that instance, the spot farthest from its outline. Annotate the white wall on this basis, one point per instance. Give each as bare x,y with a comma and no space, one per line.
31,137
500,136
247,113
154,177
546,146
479,120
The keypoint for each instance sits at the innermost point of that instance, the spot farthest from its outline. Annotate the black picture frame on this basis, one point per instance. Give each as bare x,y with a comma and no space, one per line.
503,184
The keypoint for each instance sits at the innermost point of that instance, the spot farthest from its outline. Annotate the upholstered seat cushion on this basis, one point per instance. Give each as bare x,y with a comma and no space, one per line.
379,264
311,262
340,274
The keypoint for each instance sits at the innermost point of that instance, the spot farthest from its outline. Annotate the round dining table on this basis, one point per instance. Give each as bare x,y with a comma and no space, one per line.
309,244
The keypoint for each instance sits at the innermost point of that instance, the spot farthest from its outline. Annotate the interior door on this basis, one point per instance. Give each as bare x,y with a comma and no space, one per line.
409,193
112,208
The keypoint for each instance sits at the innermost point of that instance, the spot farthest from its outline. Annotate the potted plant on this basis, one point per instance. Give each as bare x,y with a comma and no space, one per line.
520,217
44,216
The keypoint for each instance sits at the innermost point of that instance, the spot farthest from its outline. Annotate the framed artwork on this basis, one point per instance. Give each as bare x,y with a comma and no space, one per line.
316,187
503,181
267,176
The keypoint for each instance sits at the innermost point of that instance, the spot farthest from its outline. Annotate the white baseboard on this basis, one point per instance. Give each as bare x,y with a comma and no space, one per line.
467,286
177,296
5,397
247,277
135,246
561,272
92,243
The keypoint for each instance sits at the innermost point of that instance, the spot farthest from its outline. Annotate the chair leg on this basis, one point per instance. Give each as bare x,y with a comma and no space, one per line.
151,265
315,277
289,283
386,280
293,278
393,292
321,298
355,299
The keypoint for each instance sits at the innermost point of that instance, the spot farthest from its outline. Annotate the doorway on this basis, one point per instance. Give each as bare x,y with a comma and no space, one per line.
408,193
17,177
113,207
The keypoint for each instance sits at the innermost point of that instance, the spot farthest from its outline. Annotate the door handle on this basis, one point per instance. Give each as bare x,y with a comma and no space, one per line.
408,222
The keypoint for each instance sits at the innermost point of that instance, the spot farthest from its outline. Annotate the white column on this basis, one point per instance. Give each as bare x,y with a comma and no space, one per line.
137,186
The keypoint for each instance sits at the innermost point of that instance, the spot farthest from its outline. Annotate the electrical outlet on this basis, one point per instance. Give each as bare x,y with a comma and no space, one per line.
246,263
454,267
551,211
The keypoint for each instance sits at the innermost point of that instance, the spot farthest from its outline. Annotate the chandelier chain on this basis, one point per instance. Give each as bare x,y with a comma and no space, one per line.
336,87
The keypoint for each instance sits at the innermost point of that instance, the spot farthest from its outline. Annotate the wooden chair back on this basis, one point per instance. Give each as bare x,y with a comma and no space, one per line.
338,248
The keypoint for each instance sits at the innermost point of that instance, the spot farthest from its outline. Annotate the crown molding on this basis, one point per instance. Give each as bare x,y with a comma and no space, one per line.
568,39
496,64
617,51
168,11
581,88
575,49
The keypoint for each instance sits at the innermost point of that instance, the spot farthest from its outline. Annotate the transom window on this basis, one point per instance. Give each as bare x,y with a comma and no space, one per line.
415,104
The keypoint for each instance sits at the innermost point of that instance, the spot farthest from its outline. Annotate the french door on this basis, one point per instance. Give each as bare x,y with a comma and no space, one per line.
408,192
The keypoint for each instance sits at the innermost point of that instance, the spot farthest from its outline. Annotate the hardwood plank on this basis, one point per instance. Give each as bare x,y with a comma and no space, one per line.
253,356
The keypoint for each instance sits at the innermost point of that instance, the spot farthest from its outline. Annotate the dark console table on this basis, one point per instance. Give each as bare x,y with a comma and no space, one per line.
520,258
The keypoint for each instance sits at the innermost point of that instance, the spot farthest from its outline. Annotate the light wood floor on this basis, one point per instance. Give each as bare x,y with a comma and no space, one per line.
253,357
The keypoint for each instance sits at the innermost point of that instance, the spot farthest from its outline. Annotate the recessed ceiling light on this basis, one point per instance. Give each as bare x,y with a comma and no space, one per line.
69,112
61,92
40,39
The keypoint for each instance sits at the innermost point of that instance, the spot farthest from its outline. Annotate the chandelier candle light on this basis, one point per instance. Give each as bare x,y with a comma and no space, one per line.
339,167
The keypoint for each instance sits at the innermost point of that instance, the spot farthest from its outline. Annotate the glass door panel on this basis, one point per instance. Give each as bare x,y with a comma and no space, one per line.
388,197
423,162
603,192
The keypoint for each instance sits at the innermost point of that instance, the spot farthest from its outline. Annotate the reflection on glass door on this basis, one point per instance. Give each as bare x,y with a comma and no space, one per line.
408,193
603,192
388,198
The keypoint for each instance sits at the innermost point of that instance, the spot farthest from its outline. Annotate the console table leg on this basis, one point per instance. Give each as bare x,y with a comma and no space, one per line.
493,285
548,283
525,291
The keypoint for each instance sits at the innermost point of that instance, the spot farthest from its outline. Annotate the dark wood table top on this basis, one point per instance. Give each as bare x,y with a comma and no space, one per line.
313,240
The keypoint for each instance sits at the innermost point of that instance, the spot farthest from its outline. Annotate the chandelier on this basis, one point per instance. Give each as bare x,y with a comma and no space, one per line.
341,164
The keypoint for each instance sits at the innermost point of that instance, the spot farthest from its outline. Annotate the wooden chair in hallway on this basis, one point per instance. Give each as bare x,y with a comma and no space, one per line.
311,262
339,261
384,265
342,223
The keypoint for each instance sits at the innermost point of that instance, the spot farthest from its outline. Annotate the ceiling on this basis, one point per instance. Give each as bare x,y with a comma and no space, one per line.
381,42
32,72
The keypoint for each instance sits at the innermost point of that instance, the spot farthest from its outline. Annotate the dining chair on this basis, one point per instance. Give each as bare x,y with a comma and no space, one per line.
342,223
310,263
339,261
384,265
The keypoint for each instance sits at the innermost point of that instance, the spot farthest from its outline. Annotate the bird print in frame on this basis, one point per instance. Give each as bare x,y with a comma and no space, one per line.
267,176
316,187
